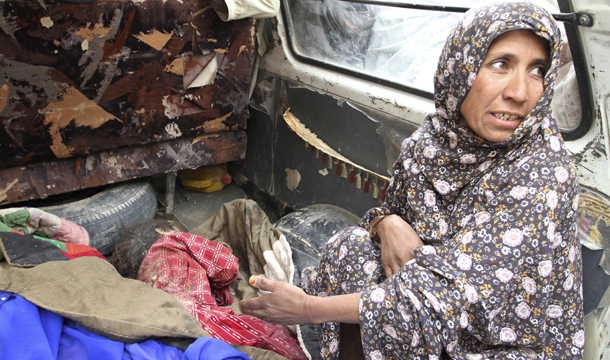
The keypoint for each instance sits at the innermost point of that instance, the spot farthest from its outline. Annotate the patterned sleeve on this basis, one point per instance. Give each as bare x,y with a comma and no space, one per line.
506,285
565,336
394,194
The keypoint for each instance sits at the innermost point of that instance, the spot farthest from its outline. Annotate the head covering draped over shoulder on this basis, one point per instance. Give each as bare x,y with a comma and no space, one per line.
500,274
445,160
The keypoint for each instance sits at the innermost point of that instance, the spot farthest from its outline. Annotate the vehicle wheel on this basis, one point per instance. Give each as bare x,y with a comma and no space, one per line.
106,214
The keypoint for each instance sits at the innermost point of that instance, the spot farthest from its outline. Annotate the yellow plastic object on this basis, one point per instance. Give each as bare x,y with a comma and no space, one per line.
206,178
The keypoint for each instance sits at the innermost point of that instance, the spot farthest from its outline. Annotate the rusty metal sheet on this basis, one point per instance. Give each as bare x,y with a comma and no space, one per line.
39,180
77,79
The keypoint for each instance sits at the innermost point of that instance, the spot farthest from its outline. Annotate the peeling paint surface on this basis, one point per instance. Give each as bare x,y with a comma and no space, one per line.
98,31
72,108
46,22
124,58
196,65
293,178
3,96
173,130
111,75
156,39
175,67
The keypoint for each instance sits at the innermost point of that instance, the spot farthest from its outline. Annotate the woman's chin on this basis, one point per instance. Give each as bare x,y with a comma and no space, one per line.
498,136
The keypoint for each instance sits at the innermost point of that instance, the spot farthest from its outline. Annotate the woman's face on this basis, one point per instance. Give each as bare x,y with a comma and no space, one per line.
508,85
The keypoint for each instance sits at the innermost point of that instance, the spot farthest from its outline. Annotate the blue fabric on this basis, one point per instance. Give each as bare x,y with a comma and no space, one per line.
30,332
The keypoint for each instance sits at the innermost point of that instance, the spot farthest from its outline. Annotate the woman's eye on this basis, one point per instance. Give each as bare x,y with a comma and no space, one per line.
539,71
499,65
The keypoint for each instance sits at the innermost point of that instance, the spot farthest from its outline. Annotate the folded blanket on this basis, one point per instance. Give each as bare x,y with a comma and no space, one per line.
38,222
19,249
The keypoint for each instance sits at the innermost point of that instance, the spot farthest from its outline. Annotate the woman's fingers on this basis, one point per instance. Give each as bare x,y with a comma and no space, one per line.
398,240
392,264
252,304
256,303
262,283
285,304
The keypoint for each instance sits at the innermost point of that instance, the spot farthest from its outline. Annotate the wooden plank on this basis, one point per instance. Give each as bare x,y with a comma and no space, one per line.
39,180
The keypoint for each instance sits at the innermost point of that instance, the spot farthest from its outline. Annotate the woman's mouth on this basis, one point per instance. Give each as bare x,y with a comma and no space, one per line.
506,117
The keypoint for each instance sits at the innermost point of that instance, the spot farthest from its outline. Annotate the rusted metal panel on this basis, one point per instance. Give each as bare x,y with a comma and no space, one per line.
77,79
31,181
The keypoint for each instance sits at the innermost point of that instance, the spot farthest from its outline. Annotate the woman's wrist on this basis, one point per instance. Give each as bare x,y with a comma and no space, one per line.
387,221
338,308
374,227
311,310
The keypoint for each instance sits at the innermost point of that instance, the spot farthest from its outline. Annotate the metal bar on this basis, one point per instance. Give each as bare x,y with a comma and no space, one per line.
411,6
170,191
580,19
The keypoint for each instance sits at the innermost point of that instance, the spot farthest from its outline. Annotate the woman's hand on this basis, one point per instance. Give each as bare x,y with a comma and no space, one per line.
398,240
285,305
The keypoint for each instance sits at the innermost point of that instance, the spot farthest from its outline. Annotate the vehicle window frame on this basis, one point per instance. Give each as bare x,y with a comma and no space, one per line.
572,34
582,78
342,69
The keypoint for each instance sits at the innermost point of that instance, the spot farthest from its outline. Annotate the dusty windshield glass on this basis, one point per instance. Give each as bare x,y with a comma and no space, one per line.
399,45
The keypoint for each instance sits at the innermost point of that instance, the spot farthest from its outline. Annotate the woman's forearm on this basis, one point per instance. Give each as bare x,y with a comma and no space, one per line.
338,308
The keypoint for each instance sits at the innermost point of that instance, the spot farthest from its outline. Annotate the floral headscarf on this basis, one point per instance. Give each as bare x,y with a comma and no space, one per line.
465,50
500,275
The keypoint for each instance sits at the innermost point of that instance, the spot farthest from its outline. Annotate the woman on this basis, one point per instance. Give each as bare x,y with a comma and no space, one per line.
486,185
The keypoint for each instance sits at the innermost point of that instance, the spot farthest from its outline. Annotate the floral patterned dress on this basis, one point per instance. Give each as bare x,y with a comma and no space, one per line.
500,275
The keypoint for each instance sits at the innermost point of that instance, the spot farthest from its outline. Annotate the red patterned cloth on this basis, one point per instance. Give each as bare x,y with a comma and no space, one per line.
197,272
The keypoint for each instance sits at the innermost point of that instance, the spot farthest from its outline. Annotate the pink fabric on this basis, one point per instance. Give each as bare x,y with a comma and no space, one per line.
43,221
72,233
197,272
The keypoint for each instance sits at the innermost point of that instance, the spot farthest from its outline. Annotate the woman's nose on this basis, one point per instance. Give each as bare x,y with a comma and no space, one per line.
517,88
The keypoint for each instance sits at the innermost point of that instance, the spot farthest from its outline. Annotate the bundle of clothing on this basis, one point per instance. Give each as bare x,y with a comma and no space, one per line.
32,236
64,300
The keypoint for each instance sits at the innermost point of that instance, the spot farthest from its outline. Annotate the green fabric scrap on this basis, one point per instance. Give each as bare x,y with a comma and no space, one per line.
4,228
59,244
17,220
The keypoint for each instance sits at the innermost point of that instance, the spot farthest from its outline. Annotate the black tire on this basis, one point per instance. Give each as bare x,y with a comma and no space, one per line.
106,214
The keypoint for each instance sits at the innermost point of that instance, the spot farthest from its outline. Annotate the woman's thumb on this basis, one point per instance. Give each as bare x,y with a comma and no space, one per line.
261,283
